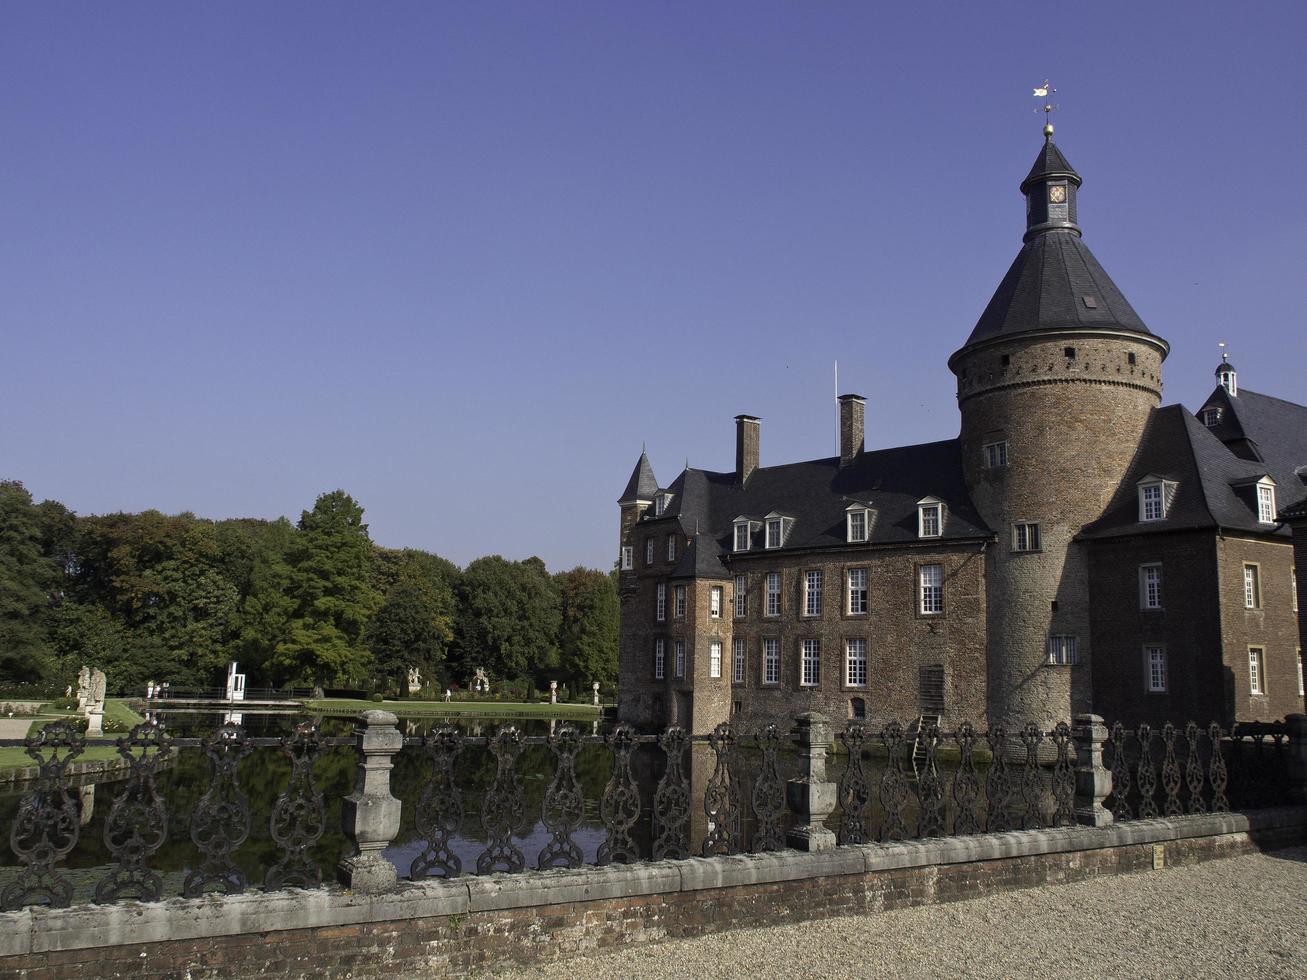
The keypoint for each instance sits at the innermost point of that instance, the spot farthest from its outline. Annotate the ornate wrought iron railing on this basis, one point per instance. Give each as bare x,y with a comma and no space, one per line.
716,794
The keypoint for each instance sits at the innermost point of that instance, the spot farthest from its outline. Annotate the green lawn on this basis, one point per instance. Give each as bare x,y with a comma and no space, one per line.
500,709
16,758
116,712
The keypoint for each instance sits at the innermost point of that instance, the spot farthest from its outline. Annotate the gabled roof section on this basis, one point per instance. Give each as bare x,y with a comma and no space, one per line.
642,485
1267,430
1179,448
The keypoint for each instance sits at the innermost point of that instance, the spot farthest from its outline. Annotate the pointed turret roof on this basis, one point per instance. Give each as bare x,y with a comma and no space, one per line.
642,485
1050,163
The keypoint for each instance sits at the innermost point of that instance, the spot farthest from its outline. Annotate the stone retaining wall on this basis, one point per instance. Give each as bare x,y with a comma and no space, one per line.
474,922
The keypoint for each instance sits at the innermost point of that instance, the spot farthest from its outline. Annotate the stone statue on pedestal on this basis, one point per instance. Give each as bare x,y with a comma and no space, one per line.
83,686
553,692
596,693
414,680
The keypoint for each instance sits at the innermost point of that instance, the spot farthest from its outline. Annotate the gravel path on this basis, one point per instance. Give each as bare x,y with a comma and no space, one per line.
1242,917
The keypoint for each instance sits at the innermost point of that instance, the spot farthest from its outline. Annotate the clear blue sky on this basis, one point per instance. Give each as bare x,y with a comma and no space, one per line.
462,259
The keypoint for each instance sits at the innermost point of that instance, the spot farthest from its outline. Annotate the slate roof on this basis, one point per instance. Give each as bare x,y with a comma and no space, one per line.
642,485
1208,474
702,559
816,493
1267,430
1049,163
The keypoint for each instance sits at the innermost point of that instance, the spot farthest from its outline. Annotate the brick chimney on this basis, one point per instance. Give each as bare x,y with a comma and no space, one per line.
852,409
747,430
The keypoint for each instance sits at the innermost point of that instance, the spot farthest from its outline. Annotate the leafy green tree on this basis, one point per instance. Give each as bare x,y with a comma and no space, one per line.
415,625
588,633
508,619
331,562
28,579
267,606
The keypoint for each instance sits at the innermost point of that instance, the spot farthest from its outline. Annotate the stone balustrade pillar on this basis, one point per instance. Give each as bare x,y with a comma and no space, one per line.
1297,759
1093,779
811,798
370,815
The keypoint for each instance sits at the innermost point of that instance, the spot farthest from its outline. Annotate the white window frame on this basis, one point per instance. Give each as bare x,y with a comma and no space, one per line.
1293,587
1210,416
1026,536
856,597
671,547
1257,670
771,661
660,504
1300,687
857,525
1151,582
810,662
1062,650
930,589
994,454
741,597
855,662
715,658
772,602
1265,502
678,601
1252,585
660,659
715,602
1155,668
930,519
1155,495
738,654
741,536
777,525
628,557
812,580
660,603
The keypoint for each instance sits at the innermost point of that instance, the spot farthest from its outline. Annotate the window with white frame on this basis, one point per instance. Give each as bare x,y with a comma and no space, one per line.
930,589
930,518
855,662
1063,650
715,602
857,525
857,591
771,661
648,551
1252,587
1155,496
1265,503
775,532
660,658
810,662
741,535
741,596
1256,670
1300,687
1150,586
678,607
1155,667
1293,588
660,603
737,660
715,658
773,594
671,547
679,649
995,454
1025,537
812,593
628,557
660,504
1211,417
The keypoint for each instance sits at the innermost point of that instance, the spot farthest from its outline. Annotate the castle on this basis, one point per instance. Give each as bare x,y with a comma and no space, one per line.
1078,547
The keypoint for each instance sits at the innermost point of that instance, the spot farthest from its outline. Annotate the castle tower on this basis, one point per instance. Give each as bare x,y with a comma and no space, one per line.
1055,387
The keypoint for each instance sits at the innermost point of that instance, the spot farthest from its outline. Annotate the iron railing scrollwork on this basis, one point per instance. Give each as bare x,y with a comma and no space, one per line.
966,783
998,783
930,788
768,795
564,804
854,789
721,800
222,819
138,820
620,806
893,784
671,813
504,806
439,814
298,815
1064,778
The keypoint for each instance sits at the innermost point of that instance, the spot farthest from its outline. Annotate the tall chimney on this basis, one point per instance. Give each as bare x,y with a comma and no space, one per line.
747,429
852,409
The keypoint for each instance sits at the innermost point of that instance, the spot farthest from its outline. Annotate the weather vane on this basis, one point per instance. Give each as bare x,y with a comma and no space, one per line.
1225,358
1045,91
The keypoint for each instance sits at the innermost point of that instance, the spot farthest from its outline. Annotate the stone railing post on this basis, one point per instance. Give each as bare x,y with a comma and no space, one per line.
1093,779
370,815
811,797
1297,760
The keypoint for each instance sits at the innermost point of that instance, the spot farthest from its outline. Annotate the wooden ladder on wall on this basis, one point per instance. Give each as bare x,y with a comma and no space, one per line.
919,742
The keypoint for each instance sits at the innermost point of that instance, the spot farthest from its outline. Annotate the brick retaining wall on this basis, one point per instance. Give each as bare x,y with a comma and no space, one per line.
456,926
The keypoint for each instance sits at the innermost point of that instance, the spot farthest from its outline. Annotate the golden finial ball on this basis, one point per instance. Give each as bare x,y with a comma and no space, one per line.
1048,130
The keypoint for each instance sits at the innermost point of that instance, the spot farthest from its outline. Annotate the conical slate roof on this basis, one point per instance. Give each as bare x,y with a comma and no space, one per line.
642,485
1049,163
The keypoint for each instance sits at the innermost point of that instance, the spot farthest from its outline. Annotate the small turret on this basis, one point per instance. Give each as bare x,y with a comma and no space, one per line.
1226,377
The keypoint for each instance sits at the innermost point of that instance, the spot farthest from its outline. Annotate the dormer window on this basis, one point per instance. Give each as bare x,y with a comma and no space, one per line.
857,524
930,518
661,503
1211,417
1265,502
744,529
775,532
1155,495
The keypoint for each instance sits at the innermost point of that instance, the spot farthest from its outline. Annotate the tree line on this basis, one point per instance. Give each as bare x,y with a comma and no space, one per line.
174,598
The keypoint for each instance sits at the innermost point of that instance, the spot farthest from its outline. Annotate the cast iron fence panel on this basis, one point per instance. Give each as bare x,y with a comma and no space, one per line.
1064,778
721,800
768,795
999,788
893,784
1120,775
1170,773
298,816
564,804
504,806
1217,772
854,789
1032,784
1193,770
46,826
671,812
439,813
222,818
966,783
1145,775
620,806
930,788
138,820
